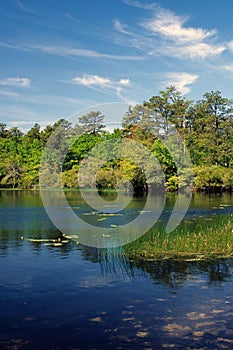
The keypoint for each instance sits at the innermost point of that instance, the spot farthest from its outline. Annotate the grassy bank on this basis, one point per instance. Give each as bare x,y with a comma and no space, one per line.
209,238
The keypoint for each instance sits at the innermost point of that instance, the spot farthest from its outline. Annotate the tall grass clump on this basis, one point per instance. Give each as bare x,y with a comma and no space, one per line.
209,237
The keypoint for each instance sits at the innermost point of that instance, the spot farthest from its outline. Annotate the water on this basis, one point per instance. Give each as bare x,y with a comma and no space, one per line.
75,297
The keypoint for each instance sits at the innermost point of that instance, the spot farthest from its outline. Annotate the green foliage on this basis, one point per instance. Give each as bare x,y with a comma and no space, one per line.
210,139
169,107
107,178
205,128
79,149
70,177
213,178
165,159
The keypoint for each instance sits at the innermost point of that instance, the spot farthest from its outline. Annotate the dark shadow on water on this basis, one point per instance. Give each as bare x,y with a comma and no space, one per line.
172,273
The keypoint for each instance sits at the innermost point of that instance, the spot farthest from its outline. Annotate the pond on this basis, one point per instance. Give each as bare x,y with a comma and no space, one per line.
70,296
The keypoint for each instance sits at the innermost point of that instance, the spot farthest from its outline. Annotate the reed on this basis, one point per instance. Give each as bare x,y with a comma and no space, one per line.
191,240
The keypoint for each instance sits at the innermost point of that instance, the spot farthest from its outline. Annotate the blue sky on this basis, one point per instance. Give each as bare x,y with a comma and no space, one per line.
60,57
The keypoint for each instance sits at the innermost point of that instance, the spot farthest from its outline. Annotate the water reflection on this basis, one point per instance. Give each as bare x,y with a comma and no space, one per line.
70,296
115,263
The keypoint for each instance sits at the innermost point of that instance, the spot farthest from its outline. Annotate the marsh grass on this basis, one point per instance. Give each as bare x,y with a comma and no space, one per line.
207,238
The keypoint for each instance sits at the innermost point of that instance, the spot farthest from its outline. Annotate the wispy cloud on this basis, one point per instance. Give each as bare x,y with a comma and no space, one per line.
181,80
179,40
96,80
25,125
194,51
9,93
104,84
92,80
140,5
167,34
25,8
171,26
230,45
228,67
19,112
120,27
16,82
69,52
22,122
124,82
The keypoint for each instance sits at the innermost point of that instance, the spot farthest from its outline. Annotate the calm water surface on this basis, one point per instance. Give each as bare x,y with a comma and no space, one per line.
75,297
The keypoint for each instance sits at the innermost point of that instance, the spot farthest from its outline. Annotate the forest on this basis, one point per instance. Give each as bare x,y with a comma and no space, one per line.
205,127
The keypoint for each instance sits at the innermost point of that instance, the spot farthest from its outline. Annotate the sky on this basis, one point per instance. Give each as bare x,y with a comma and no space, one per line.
59,57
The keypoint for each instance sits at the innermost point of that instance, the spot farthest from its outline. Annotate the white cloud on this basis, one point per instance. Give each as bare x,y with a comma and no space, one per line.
96,80
17,82
172,27
166,34
125,82
203,50
178,40
104,84
181,80
193,51
88,80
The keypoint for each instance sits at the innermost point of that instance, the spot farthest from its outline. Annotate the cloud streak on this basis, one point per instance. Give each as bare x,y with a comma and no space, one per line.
16,82
140,5
69,52
24,8
228,67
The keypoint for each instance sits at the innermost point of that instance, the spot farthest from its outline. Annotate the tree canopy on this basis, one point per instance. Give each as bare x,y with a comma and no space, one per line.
205,127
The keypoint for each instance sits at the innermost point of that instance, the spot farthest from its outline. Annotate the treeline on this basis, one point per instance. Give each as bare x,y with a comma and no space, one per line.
205,127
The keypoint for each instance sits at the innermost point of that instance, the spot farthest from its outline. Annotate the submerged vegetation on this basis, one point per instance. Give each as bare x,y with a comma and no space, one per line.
205,126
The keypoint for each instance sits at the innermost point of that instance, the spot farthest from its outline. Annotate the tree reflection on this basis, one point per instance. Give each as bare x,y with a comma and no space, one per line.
173,273
112,261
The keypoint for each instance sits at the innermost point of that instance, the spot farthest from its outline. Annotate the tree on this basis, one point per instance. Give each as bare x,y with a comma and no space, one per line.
79,149
169,108
210,137
165,159
30,152
10,170
34,132
46,133
10,165
15,134
91,123
3,130
139,124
